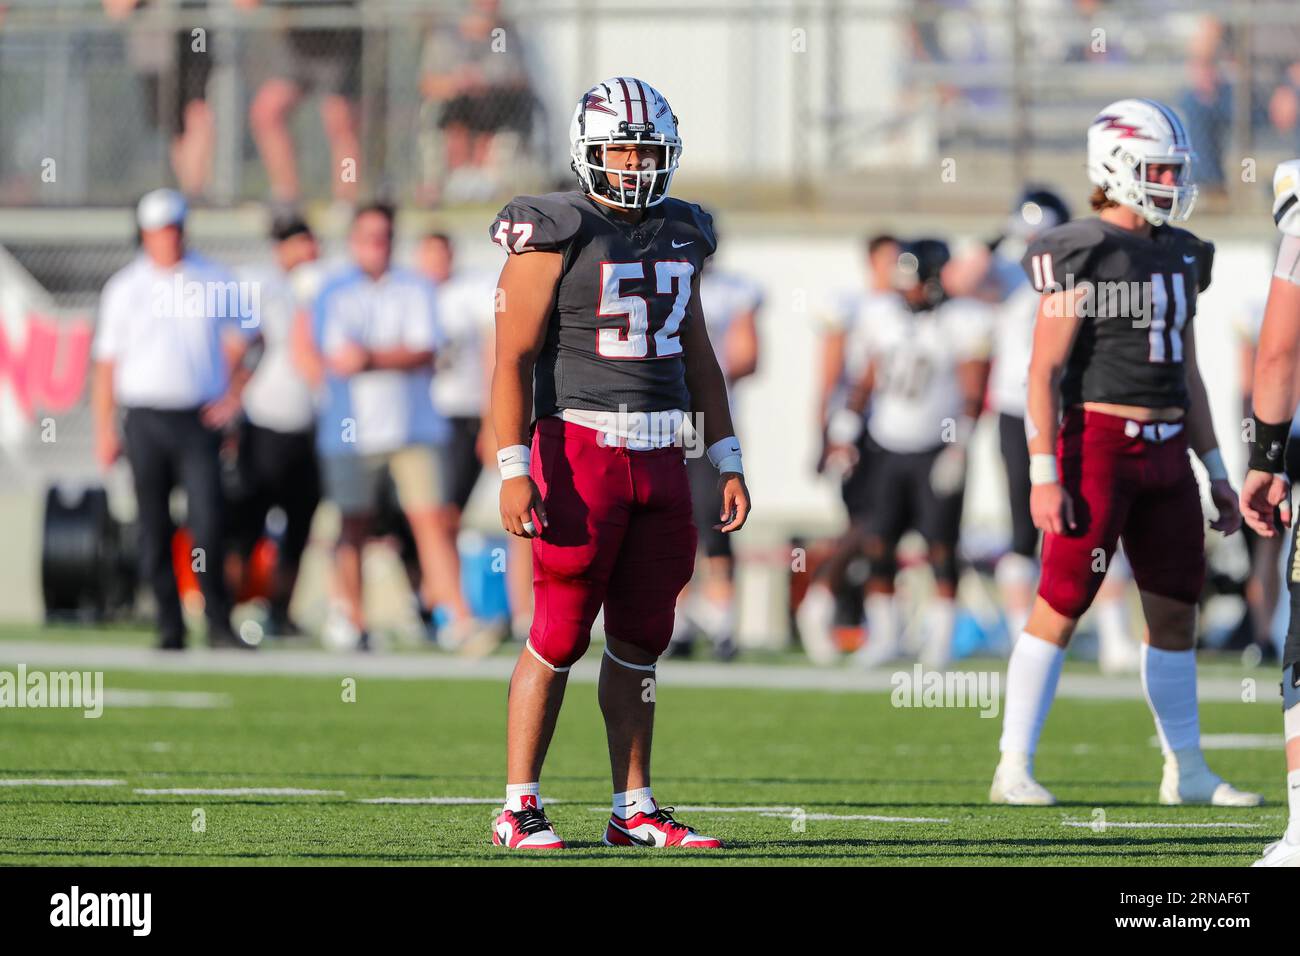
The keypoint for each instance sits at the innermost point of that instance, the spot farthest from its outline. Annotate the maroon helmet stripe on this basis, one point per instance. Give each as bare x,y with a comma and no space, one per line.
627,98
645,113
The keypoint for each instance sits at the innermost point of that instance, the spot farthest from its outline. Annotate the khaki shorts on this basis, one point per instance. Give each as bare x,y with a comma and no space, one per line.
352,481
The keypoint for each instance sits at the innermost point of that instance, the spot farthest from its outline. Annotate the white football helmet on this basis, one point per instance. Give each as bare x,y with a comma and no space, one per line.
1127,137
624,111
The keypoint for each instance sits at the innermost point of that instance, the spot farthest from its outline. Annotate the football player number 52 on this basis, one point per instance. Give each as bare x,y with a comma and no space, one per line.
672,277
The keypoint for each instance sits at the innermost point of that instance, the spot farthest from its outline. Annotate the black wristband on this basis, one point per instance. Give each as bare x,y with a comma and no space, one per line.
1268,451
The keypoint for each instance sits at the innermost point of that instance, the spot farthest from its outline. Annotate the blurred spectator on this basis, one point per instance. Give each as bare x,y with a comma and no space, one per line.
1205,106
277,440
460,382
164,354
474,73
1284,108
317,60
376,328
174,80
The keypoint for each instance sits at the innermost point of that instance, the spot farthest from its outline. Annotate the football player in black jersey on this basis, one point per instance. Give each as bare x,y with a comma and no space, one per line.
1266,490
1115,402
601,352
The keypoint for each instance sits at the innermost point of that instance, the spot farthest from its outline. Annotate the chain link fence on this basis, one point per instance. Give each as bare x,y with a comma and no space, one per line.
445,103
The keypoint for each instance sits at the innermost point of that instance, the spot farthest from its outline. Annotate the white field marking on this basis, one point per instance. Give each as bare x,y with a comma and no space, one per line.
320,663
793,812
58,782
179,699
1235,741
236,792
1147,825
677,809
856,816
448,801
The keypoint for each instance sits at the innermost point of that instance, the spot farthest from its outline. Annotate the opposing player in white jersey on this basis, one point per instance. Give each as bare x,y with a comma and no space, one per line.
927,369
731,306
831,596
1266,492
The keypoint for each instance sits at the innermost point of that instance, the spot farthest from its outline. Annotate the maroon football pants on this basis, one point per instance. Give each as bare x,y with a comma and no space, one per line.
620,535
1123,487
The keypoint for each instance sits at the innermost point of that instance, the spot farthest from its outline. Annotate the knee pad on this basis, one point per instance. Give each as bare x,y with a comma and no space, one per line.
559,653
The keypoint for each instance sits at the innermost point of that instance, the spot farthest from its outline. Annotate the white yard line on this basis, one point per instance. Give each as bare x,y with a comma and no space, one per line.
236,792
1099,826
423,666
179,699
1235,741
58,782
447,801
794,813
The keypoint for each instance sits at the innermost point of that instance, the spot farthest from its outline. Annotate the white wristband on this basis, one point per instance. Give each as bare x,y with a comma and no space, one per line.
513,461
844,428
725,455
1214,467
1042,470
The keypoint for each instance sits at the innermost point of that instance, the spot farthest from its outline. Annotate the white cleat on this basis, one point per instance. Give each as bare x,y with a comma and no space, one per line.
1014,785
1281,853
875,654
1188,780
815,617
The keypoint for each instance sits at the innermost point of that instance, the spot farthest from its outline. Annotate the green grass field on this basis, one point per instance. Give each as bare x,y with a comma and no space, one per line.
826,757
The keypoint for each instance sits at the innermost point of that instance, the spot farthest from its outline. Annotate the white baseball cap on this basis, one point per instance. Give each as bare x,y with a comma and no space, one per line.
161,208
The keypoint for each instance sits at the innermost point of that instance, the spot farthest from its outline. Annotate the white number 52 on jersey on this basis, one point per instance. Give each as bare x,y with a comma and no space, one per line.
523,231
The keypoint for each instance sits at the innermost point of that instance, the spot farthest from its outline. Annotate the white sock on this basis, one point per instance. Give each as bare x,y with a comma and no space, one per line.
940,620
516,794
634,801
1291,723
1032,675
1169,682
883,623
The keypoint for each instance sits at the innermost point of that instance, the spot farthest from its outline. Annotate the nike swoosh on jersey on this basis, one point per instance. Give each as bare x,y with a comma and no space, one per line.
1189,259
680,245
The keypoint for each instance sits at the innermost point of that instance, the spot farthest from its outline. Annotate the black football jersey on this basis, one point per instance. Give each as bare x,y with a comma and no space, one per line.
1139,300
614,335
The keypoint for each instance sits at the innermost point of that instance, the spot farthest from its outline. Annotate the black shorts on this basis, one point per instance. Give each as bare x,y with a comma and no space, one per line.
321,61
706,502
1015,455
275,469
190,84
461,462
902,499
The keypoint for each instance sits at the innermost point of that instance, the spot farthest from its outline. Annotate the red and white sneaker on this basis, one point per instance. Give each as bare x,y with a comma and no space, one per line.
655,829
525,829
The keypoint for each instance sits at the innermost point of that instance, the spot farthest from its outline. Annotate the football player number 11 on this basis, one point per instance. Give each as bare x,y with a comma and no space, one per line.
672,277
1166,343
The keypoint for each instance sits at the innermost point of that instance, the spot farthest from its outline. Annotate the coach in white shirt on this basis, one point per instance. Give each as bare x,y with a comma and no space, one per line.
376,328
169,332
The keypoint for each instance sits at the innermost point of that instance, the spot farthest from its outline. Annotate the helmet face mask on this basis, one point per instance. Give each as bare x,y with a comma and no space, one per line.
1126,142
601,123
